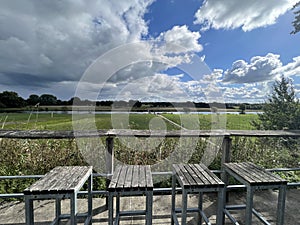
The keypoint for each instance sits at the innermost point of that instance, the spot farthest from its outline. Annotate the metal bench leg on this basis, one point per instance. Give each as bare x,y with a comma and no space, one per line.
281,205
29,210
173,198
249,205
200,203
220,207
58,209
110,209
184,206
90,199
149,201
73,205
118,204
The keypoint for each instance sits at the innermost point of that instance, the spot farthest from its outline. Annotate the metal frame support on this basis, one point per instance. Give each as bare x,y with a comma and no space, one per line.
184,208
29,210
147,212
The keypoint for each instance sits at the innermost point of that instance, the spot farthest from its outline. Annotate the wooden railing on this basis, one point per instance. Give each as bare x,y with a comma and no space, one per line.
227,136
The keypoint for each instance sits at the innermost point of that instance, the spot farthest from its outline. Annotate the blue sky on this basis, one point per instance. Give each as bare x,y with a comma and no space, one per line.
193,50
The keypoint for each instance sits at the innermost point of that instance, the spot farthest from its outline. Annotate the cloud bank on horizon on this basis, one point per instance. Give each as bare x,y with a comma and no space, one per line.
46,46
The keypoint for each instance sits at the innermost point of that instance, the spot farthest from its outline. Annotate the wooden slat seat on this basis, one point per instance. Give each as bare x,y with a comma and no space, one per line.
195,178
61,182
253,175
255,178
62,179
196,175
130,180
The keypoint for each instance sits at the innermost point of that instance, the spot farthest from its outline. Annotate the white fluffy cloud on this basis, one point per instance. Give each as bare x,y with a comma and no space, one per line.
180,39
46,42
247,14
290,69
47,45
259,69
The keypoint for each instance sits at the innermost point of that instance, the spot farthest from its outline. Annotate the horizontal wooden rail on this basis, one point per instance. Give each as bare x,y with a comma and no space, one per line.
68,134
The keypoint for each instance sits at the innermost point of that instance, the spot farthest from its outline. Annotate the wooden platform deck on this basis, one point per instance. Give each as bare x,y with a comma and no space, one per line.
13,213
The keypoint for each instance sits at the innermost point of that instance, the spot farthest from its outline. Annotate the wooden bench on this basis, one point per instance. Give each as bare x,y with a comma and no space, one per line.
130,180
195,178
61,182
255,177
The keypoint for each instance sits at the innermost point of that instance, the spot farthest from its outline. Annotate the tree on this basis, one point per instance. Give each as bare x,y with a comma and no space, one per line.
47,99
33,100
296,22
11,99
281,110
242,108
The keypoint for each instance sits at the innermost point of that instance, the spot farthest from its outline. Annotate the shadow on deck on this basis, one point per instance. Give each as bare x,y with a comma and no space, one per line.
13,213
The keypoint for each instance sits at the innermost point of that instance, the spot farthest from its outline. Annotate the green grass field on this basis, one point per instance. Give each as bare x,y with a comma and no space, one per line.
48,121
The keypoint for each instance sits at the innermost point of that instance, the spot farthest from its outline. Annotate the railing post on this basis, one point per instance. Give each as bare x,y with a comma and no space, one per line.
226,157
109,161
109,155
226,153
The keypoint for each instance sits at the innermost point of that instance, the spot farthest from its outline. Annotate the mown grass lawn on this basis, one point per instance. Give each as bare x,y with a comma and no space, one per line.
209,121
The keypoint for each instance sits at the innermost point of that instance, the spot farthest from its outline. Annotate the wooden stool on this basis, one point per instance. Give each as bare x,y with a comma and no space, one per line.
61,182
256,178
195,178
131,180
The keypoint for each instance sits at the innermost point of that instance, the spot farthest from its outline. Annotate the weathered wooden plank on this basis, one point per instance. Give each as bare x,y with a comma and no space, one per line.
39,185
67,134
129,177
65,179
114,181
202,175
247,171
236,170
194,174
61,179
121,180
188,177
259,174
135,177
268,176
80,176
253,174
213,177
149,181
142,177
181,176
209,177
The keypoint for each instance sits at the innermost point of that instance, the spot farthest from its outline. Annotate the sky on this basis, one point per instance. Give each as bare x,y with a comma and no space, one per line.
147,50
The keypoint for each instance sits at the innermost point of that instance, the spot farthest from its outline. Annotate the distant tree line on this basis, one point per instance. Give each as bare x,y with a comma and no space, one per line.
10,99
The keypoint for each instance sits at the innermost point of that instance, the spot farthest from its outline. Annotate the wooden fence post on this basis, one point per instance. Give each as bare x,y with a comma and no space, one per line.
109,161
226,156
109,155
